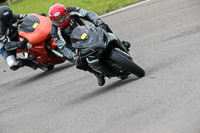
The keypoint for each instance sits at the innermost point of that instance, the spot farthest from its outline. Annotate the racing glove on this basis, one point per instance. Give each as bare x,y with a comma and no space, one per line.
99,23
22,44
16,45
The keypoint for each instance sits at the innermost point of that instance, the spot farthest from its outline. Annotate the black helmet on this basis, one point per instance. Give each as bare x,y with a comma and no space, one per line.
6,15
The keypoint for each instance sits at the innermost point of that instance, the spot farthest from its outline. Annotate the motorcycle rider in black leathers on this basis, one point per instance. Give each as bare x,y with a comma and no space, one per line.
65,19
9,39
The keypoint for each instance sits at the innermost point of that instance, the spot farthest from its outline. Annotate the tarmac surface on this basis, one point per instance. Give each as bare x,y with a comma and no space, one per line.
165,38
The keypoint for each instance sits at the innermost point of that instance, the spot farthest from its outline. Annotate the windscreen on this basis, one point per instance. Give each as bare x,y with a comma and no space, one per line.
29,24
80,33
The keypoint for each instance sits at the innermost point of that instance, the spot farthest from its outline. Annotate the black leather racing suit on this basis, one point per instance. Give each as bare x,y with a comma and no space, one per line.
9,43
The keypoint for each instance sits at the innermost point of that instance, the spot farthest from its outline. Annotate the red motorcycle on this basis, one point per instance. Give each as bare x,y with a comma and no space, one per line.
41,48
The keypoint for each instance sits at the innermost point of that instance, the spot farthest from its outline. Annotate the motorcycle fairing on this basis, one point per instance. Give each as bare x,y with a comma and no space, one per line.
88,40
36,28
29,24
97,48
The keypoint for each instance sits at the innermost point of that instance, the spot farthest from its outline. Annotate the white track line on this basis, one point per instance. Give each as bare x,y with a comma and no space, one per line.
110,13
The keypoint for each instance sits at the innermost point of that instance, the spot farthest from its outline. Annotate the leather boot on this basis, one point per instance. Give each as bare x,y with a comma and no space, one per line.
84,66
100,79
28,63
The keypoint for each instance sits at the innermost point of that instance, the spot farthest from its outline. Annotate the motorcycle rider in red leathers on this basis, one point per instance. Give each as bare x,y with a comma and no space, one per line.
9,39
64,20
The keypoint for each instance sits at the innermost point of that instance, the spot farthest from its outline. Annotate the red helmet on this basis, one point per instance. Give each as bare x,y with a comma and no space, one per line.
59,15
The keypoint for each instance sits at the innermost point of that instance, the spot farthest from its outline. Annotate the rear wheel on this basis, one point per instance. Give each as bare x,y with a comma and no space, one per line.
125,61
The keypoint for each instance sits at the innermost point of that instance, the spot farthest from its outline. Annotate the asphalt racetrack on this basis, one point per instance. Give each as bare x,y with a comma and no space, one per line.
165,38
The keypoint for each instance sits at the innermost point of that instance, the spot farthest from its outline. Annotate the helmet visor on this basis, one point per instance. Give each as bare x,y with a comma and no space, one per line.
60,20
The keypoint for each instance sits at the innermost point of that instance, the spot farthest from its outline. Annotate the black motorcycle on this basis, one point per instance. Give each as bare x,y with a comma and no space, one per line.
104,52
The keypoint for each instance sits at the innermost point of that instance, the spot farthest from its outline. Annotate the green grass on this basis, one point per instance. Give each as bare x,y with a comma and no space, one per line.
42,6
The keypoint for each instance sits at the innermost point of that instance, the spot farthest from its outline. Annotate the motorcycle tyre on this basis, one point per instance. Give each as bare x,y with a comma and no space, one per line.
127,64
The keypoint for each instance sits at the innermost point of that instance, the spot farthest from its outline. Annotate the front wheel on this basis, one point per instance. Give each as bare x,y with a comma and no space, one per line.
120,58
